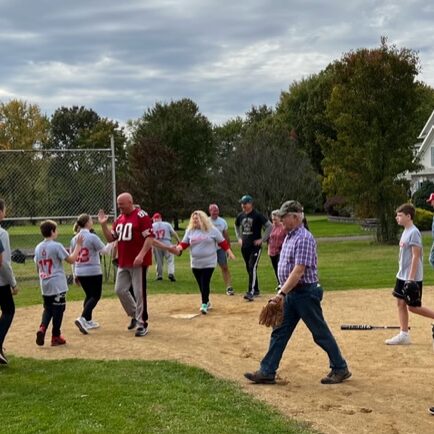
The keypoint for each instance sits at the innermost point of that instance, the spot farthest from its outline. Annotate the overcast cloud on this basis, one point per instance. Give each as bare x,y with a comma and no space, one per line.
119,57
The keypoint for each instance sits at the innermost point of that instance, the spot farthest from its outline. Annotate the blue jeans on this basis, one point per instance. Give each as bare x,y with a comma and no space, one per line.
303,303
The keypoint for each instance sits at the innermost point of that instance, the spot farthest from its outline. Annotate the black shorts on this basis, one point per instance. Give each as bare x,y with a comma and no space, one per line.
398,291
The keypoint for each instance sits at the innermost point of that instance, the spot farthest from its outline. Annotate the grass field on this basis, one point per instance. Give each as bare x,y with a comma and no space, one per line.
82,396
165,397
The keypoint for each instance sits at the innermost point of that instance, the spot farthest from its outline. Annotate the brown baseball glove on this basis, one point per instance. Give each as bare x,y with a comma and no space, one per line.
272,313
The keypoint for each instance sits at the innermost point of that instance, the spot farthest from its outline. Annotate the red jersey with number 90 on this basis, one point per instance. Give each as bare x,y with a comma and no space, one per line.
130,231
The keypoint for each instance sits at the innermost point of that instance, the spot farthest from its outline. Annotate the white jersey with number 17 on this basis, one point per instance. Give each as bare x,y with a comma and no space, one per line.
49,257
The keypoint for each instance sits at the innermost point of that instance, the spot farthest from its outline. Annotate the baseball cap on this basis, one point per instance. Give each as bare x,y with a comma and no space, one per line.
290,206
246,199
157,215
430,198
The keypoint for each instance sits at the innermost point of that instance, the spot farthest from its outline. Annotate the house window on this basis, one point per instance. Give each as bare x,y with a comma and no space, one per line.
432,156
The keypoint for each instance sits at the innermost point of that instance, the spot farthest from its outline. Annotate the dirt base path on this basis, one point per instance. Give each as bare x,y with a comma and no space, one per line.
389,393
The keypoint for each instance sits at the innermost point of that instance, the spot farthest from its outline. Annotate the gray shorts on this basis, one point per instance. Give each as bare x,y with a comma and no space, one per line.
222,257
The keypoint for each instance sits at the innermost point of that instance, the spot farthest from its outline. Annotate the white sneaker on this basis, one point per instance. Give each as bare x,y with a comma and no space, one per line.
92,324
81,323
209,306
400,339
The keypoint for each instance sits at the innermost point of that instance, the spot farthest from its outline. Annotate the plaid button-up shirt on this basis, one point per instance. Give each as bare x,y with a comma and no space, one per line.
299,248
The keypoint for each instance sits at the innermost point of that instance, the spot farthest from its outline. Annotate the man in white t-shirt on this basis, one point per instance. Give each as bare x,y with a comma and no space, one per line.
163,232
222,260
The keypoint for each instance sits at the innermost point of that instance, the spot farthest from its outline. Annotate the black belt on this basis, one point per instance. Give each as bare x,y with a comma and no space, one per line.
303,285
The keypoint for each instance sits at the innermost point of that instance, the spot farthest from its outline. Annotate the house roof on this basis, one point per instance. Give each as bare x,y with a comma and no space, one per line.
428,126
429,138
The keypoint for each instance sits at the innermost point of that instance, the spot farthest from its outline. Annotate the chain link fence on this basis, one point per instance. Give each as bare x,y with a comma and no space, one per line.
53,184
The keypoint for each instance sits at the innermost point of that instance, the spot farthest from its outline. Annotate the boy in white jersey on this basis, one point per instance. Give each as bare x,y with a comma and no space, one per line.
49,257
410,273
163,232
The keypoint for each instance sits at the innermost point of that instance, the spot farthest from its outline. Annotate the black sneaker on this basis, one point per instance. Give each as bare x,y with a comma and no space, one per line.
3,359
335,377
172,278
40,336
248,296
133,324
230,290
256,294
259,378
141,331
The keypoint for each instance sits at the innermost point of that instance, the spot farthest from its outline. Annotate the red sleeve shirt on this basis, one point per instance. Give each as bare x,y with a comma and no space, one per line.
130,231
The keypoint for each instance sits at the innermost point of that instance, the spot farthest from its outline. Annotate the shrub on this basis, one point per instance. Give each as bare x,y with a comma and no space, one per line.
337,206
423,219
420,196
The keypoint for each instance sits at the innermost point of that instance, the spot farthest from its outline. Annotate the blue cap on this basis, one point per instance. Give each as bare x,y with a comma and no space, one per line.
246,199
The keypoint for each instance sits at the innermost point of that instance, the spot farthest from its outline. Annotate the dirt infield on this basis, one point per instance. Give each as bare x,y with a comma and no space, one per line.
389,393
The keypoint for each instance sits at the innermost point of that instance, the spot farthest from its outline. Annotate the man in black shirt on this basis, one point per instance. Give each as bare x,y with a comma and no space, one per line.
248,228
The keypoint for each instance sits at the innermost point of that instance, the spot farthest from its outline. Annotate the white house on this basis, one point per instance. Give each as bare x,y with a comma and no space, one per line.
424,152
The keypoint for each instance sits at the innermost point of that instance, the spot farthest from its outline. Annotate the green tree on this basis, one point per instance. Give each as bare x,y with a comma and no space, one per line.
302,110
71,126
180,126
21,125
269,166
152,178
227,138
372,108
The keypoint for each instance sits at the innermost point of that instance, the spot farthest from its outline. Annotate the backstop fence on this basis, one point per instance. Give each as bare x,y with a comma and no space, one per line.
53,184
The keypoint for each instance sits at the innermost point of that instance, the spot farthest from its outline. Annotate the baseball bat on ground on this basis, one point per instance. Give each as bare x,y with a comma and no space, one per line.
366,327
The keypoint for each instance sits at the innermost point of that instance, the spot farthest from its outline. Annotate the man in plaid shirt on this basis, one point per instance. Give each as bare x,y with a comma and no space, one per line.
302,295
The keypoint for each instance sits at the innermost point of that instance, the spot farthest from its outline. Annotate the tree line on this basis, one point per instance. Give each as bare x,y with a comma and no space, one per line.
344,135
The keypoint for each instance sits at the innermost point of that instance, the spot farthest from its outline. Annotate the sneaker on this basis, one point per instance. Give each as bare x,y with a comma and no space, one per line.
335,377
133,324
209,305
57,340
159,278
256,294
204,308
248,296
3,359
431,410
230,291
141,331
81,323
399,339
172,278
92,324
259,378
40,336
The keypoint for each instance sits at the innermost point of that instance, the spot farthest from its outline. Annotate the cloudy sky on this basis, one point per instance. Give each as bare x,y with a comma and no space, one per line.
119,57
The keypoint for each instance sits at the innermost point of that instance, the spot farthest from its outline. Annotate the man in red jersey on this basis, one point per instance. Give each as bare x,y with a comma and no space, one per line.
133,232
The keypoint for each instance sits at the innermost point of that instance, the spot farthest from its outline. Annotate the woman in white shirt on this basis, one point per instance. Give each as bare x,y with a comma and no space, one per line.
203,239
